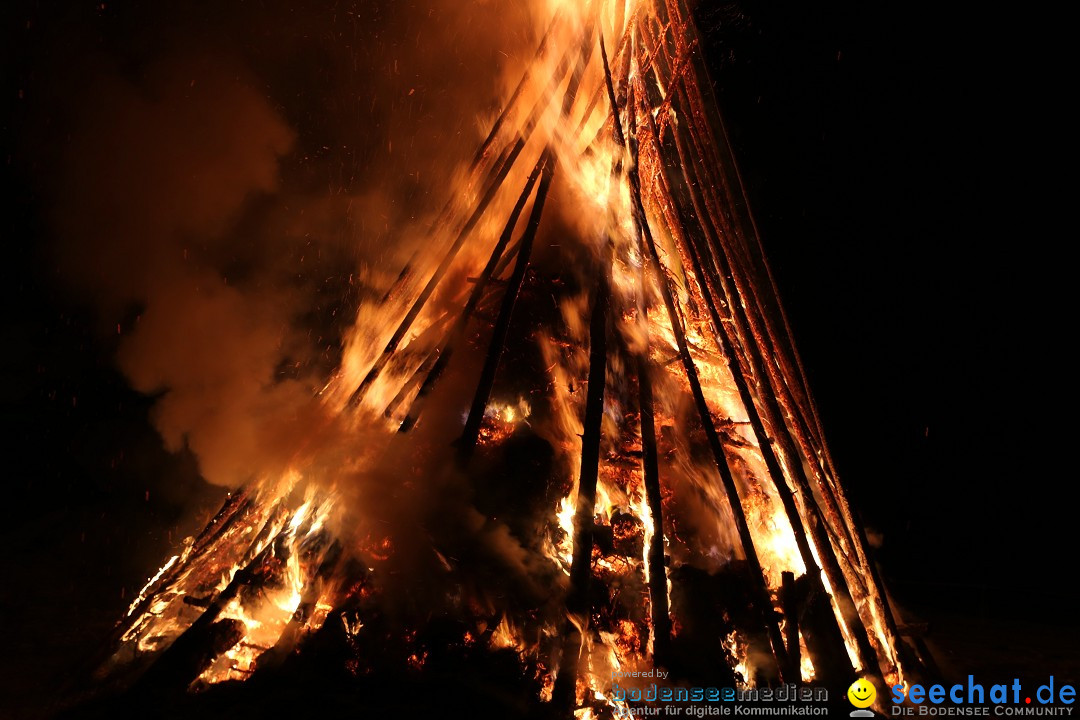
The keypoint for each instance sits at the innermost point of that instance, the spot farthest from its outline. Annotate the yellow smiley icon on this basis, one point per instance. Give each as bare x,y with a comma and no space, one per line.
861,694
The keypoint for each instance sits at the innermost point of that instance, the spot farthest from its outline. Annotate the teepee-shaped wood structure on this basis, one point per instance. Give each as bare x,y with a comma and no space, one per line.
595,282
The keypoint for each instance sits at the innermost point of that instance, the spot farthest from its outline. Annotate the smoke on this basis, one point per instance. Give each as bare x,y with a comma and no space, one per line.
228,204
227,211
157,177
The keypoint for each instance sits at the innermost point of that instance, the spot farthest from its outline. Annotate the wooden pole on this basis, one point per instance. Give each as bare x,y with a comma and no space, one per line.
467,442
462,321
661,620
437,276
761,592
843,583
789,601
577,599
650,465
495,180
714,281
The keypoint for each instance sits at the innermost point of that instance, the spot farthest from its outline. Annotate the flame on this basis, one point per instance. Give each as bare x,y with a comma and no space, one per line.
264,539
391,347
266,618
505,636
737,650
806,665
565,546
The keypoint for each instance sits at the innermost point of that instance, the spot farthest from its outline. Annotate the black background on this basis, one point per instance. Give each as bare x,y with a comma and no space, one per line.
909,174
901,164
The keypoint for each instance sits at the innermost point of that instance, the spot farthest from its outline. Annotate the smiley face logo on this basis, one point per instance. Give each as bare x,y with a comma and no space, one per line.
861,694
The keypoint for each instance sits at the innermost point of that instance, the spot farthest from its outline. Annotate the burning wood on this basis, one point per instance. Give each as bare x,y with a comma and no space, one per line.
656,512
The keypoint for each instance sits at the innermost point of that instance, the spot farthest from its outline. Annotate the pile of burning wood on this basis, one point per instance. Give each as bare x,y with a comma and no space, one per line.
593,319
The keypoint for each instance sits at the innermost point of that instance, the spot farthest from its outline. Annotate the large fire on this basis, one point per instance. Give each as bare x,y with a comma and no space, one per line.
686,451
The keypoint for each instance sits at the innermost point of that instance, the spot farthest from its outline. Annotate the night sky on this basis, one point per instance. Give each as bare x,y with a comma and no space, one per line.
897,159
907,169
